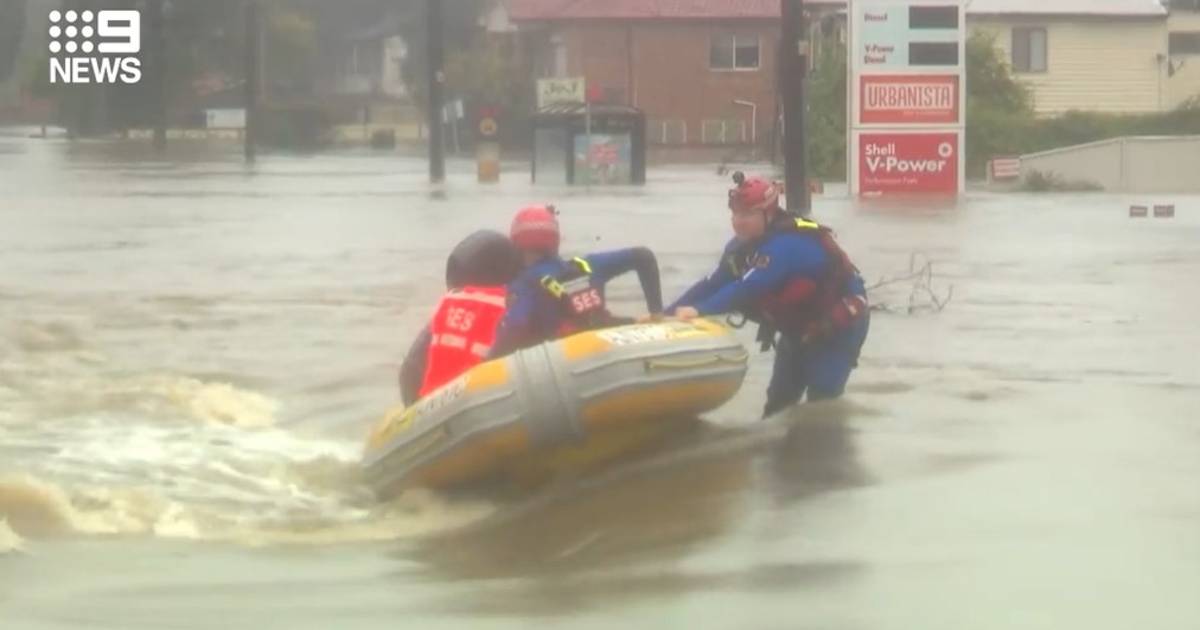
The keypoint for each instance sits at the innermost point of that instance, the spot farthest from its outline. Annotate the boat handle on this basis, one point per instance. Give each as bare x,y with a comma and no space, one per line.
651,364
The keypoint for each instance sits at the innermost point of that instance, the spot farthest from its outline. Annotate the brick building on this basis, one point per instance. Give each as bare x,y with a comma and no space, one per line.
703,71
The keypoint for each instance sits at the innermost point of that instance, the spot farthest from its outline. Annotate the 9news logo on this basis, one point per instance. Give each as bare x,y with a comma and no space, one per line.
95,47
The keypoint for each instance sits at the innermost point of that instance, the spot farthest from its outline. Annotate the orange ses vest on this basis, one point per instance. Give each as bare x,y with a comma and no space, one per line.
463,331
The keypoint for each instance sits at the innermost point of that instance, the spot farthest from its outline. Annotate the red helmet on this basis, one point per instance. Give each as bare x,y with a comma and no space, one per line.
754,193
535,228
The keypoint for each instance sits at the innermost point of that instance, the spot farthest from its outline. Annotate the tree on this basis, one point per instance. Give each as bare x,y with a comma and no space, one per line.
12,27
494,72
460,31
999,108
990,82
289,46
826,123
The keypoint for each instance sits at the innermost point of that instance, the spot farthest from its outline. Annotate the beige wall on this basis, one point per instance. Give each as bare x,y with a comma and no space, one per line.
1186,81
1162,164
1135,165
1098,162
1092,63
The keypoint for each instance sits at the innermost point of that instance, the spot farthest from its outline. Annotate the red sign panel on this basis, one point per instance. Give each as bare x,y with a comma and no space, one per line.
921,163
908,98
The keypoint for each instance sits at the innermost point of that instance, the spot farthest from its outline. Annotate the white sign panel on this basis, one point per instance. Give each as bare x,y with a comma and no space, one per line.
907,104
551,91
225,118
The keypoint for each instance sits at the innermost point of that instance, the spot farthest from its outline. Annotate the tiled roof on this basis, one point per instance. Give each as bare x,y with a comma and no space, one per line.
641,9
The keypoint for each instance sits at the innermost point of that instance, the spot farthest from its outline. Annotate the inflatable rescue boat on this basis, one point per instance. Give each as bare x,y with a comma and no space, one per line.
563,406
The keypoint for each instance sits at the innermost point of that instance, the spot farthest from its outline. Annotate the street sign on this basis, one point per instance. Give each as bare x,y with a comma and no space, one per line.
553,91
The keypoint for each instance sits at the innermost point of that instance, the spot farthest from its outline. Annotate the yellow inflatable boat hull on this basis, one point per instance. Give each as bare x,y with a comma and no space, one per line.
565,406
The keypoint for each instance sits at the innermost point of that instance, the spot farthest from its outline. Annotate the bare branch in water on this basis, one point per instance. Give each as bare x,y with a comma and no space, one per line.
922,296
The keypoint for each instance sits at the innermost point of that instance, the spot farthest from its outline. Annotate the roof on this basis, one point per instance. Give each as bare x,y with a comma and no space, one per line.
1129,8
580,109
538,10
534,10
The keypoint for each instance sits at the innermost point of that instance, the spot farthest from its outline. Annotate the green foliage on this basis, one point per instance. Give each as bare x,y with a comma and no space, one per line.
294,128
460,30
36,76
289,47
826,122
990,84
12,27
493,72
999,109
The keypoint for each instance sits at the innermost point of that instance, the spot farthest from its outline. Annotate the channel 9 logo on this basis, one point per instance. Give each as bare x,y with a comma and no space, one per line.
95,46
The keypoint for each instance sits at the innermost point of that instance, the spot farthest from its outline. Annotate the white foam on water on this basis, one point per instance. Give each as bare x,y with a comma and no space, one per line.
35,508
165,397
49,370
32,508
88,448
10,542
412,514
218,403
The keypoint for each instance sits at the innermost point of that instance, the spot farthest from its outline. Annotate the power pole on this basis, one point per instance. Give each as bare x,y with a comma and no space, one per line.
158,74
252,44
793,63
437,78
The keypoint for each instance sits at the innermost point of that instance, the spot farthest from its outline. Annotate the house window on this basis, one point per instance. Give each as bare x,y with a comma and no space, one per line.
723,132
1184,43
734,52
1029,49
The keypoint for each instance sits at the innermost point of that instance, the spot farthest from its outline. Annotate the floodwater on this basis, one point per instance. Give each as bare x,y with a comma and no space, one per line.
191,352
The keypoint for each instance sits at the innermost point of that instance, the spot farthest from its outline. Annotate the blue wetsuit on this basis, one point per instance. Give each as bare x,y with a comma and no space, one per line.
748,275
535,314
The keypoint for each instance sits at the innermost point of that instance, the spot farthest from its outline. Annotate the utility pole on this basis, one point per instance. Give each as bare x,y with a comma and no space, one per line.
793,63
252,44
158,74
437,79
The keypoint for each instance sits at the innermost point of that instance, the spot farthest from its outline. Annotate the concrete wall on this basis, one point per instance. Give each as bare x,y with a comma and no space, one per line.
1186,81
1093,63
1098,162
1163,164
1134,164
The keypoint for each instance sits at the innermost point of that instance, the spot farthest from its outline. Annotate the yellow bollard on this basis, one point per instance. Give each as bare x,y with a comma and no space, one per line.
487,158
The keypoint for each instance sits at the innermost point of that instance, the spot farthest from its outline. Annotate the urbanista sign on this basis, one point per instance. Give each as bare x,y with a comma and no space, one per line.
907,89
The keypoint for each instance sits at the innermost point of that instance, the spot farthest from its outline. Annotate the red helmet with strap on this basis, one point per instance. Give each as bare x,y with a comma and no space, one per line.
535,228
754,193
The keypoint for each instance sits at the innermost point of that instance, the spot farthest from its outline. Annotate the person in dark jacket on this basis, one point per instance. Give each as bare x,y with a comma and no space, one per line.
484,258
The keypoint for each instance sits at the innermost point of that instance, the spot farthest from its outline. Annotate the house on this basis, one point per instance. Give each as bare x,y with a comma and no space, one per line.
1183,52
363,87
703,71
371,61
1118,56
1103,55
